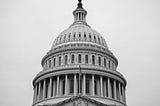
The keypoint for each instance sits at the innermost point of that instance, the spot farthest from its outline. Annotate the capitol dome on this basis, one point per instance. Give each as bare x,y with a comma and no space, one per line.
80,33
79,69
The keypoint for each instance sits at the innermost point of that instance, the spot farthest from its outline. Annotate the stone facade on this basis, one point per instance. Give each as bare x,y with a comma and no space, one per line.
79,65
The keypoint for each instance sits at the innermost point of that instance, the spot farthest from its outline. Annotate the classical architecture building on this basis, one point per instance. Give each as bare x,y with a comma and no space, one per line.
79,70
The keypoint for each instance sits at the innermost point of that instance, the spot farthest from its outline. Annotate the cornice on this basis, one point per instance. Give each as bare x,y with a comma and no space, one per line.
65,70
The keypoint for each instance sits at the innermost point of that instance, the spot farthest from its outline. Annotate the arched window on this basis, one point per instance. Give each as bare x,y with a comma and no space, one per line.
79,58
94,38
86,59
89,36
72,58
93,59
99,61
84,36
79,35
49,63
74,35
66,58
104,62
98,39
59,60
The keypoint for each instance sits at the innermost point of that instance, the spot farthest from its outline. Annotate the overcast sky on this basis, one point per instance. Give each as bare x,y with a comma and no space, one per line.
131,29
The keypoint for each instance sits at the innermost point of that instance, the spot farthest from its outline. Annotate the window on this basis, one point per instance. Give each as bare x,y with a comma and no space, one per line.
93,59
86,59
112,89
95,87
66,58
79,35
99,60
59,60
71,86
47,86
74,35
49,63
87,86
94,39
79,58
104,62
54,62
98,40
72,58
84,36
89,37
63,87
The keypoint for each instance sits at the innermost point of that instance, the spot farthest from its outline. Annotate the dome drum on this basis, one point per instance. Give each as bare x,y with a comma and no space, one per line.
80,47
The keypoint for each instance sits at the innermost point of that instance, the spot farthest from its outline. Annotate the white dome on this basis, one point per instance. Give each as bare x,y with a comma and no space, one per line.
79,33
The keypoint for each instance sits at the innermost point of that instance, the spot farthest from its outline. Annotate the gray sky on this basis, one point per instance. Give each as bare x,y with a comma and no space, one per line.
130,27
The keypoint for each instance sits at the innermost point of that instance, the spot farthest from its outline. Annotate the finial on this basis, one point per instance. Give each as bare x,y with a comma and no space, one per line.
80,1
80,4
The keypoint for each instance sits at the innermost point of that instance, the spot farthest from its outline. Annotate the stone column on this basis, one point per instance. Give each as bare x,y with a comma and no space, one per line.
104,87
124,96
50,87
109,88
119,86
44,89
84,84
115,93
57,94
93,85
39,90
66,84
75,84
101,81
54,87
34,96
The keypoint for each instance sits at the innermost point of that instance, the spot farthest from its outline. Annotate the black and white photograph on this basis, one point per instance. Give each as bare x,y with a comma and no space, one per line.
79,52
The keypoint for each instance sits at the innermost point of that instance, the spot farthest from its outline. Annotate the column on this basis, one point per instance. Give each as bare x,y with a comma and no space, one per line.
115,93
54,87
101,81
104,87
50,87
35,93
119,86
57,94
34,96
109,88
124,96
84,84
75,84
93,85
44,89
39,90
66,84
